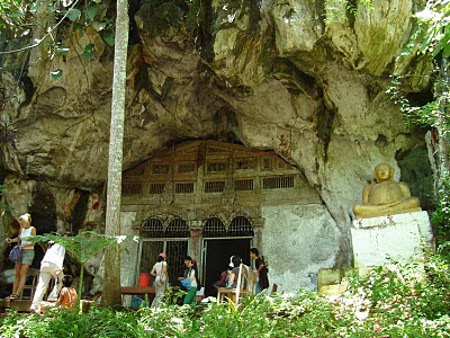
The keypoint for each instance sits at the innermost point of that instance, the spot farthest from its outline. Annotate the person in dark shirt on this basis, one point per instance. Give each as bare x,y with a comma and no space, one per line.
262,279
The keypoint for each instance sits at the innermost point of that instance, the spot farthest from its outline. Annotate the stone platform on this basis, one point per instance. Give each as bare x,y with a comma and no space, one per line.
398,236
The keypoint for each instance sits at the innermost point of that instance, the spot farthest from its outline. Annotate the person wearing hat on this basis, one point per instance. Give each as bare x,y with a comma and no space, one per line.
51,267
160,271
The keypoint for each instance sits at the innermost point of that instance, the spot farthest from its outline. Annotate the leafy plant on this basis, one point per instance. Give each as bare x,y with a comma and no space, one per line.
84,246
404,300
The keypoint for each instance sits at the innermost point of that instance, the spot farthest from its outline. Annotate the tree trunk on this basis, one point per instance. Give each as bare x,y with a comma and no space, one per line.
111,289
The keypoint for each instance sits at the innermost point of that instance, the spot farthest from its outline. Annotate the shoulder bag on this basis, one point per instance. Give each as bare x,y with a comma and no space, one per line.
15,253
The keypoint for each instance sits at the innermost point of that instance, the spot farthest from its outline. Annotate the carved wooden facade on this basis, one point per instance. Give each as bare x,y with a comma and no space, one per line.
207,189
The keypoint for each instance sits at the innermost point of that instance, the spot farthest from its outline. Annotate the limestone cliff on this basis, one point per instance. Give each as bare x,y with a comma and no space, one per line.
304,78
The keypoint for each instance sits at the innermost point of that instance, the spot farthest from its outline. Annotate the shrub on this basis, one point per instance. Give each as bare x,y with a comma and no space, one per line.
401,300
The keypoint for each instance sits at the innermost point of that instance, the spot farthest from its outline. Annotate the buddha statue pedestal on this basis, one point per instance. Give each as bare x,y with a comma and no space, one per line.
398,236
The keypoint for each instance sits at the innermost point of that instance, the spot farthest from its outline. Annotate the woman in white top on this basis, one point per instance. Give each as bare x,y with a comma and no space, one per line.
191,274
24,262
162,279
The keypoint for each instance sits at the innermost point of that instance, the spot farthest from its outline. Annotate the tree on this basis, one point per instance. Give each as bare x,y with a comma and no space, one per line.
111,289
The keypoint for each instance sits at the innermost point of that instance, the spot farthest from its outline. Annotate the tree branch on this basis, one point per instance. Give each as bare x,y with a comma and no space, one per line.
49,33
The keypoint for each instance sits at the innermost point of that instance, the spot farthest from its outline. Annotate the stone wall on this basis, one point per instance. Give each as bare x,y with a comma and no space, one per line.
297,241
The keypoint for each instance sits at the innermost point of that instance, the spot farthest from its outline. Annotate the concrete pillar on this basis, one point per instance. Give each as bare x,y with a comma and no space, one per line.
195,242
257,224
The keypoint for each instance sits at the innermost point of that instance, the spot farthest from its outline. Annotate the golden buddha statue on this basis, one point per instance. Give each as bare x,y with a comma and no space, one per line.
386,197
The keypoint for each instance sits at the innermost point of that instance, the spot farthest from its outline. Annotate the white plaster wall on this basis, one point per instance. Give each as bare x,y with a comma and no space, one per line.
297,241
399,237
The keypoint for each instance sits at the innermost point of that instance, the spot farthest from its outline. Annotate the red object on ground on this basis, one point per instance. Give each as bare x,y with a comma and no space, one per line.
144,279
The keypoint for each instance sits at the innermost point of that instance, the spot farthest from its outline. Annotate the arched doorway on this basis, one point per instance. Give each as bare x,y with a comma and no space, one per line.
219,244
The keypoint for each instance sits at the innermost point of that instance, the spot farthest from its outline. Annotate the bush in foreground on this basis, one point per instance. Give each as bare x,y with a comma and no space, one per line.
402,300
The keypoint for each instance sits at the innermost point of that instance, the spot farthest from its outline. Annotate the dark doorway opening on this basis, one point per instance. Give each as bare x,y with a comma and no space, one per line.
218,253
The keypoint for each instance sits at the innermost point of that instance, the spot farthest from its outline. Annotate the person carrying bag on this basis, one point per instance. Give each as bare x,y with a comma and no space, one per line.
25,257
162,279
15,254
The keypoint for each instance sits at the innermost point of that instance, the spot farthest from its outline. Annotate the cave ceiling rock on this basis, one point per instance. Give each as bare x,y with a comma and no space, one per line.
11,97
298,25
69,151
78,69
39,197
18,194
240,42
383,29
363,109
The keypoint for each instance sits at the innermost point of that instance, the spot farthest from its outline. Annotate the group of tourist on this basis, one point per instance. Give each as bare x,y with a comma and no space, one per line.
66,296
189,280
51,267
190,277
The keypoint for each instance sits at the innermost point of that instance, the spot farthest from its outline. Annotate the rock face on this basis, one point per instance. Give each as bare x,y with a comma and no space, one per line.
271,75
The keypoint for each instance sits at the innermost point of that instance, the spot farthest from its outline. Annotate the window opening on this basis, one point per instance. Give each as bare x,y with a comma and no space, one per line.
177,228
240,226
278,182
266,164
214,227
156,188
149,254
152,228
216,167
243,185
214,186
131,189
176,252
184,188
186,167
160,169
245,164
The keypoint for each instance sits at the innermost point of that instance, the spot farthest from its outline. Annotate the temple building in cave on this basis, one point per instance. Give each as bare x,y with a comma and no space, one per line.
211,200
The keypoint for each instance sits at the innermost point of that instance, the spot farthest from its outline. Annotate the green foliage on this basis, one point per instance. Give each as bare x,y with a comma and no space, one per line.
432,36
18,19
84,246
434,28
441,215
99,322
14,15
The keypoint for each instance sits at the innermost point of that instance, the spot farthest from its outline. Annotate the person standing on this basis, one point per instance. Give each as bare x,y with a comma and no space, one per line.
27,256
191,274
262,278
159,271
51,267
